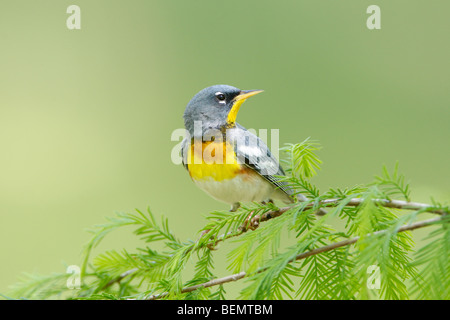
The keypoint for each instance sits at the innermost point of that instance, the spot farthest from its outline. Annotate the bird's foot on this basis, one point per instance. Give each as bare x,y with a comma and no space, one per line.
252,222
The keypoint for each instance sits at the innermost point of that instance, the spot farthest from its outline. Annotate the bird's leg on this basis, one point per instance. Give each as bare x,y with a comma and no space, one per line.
235,207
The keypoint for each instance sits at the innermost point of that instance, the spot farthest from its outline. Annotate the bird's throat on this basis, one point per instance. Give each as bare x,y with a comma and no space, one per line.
231,119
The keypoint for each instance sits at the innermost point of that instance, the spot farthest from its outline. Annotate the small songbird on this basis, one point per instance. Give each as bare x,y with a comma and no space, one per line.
225,159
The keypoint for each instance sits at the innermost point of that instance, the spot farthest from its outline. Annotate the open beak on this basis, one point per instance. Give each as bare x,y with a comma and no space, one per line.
237,101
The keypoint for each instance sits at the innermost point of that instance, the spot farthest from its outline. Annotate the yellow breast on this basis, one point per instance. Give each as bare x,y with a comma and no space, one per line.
210,159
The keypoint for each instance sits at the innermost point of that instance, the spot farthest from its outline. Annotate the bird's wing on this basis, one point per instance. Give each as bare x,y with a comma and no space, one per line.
254,153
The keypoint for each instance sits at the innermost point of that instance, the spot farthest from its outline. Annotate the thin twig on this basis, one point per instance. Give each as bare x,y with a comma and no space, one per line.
119,278
214,282
332,246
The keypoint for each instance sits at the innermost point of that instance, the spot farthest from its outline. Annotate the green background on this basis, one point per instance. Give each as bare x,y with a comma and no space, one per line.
86,115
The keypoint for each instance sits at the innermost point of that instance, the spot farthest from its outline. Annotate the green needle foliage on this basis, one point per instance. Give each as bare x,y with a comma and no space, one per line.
357,250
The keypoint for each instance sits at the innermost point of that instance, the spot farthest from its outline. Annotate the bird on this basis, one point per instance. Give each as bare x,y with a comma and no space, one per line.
226,160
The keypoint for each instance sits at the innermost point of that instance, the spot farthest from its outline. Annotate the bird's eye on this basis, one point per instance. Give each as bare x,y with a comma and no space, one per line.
220,96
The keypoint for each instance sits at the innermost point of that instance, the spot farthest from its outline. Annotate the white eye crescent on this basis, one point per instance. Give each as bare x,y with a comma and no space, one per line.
221,97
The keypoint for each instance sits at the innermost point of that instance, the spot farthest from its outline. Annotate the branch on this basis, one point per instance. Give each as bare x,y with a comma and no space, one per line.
215,282
119,278
332,246
394,204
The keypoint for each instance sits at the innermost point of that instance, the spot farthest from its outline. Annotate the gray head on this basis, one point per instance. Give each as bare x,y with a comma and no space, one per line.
216,107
